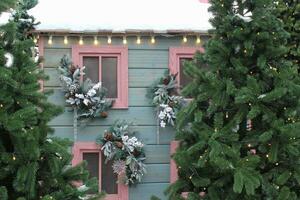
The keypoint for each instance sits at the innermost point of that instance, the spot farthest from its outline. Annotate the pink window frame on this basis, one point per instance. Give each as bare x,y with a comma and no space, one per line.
41,48
81,147
121,52
176,53
173,168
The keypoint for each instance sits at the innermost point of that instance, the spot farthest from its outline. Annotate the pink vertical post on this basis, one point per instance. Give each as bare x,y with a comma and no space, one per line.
41,48
173,168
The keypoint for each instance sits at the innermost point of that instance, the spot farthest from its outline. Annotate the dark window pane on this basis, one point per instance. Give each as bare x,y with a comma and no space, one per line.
184,79
109,76
93,163
91,68
109,178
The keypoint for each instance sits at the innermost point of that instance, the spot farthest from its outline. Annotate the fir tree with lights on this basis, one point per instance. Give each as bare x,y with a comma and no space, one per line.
239,136
289,13
32,164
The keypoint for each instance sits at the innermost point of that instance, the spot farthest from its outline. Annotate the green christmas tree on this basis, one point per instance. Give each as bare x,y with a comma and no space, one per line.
239,137
32,164
289,13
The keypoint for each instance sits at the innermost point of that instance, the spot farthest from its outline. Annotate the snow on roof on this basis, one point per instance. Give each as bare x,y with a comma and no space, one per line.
121,15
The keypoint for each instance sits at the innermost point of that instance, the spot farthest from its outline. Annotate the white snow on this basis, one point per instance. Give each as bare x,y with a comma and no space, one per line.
4,17
120,15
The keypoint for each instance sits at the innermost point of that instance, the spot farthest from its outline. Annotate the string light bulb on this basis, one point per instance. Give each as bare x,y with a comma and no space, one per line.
109,39
14,157
80,40
138,40
96,40
124,40
152,39
184,39
50,40
35,39
198,40
66,40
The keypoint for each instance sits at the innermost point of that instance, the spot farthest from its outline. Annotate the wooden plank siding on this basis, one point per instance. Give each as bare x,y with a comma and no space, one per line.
147,62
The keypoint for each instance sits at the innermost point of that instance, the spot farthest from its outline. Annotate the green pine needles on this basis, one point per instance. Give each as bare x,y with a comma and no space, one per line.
289,12
32,165
239,137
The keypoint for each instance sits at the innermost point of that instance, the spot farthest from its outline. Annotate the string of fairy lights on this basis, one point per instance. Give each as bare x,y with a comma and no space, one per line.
109,38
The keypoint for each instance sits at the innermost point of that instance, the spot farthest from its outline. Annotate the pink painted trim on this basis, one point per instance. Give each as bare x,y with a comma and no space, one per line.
173,169
185,195
41,48
122,53
203,1
78,149
175,53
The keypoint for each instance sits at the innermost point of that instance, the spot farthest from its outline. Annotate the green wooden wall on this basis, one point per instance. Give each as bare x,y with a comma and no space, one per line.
147,62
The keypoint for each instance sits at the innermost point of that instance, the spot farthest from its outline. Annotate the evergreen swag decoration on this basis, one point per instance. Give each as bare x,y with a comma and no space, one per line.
88,98
120,145
165,97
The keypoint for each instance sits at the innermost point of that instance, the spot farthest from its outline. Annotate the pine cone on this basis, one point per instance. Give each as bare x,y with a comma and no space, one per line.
136,153
103,114
119,144
73,69
108,136
166,81
171,104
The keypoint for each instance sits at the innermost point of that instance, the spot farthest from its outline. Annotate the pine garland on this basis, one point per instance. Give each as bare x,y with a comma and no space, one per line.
120,145
164,95
88,98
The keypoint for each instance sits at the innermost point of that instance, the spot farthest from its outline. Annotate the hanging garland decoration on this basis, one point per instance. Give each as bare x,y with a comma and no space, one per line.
87,98
120,145
164,95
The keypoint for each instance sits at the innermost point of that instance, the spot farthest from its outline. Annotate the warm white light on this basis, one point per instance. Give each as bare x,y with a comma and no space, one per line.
35,39
198,41
66,40
138,40
109,39
184,39
96,40
81,41
152,39
124,40
50,40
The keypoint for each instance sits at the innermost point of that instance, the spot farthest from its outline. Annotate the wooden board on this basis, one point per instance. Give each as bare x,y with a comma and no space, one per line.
89,133
146,190
137,77
161,43
137,97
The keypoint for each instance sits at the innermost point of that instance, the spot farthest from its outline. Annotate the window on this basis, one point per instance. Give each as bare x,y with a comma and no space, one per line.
177,58
91,152
184,79
108,65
